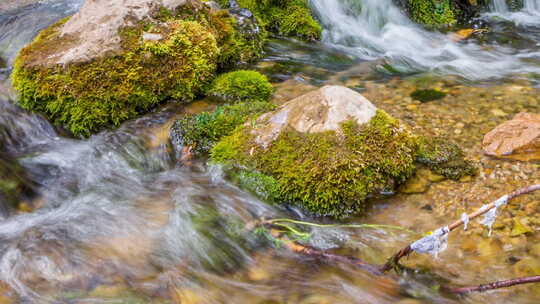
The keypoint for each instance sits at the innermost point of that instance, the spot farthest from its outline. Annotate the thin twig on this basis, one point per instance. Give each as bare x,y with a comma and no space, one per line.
496,285
394,260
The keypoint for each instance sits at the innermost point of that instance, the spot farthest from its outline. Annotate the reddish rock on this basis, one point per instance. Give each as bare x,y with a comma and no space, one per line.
518,138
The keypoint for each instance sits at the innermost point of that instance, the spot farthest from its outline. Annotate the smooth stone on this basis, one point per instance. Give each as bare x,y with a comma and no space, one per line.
519,136
317,111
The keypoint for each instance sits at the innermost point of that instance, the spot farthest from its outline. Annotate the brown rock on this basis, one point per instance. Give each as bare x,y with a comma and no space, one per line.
518,138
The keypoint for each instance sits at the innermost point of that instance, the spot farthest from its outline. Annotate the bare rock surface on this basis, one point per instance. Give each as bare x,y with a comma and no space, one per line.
94,30
317,111
518,138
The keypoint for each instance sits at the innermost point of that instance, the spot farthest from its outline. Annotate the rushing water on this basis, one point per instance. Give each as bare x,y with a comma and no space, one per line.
375,29
119,220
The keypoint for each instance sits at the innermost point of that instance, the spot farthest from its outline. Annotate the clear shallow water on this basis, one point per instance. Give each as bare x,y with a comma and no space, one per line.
119,220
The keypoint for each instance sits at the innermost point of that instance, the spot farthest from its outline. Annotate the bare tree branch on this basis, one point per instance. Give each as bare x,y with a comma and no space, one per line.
496,285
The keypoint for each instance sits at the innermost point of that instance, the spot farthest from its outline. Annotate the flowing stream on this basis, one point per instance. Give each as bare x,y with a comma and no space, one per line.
378,29
119,220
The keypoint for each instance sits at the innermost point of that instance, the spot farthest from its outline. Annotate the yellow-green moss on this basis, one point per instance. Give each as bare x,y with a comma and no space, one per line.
433,13
283,17
330,173
238,44
90,96
240,86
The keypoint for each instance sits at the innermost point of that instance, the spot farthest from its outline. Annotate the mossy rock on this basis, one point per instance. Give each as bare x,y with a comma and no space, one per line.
202,131
291,18
445,158
171,54
427,95
241,86
328,173
433,13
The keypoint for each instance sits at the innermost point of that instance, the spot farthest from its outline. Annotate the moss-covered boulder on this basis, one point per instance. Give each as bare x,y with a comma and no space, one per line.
327,151
291,18
115,60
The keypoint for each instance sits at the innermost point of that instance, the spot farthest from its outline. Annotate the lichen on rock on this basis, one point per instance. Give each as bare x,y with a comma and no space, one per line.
114,61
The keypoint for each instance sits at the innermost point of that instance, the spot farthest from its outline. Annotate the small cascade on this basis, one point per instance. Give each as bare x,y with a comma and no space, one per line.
499,6
379,30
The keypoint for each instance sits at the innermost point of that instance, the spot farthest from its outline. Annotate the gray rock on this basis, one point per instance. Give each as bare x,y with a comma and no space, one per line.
318,111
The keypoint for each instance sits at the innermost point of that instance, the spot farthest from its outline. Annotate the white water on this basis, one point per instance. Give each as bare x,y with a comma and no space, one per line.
528,16
499,6
377,29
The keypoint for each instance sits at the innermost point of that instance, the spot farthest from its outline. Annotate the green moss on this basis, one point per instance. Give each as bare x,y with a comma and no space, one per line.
445,158
238,43
284,17
263,186
433,13
203,130
327,173
240,86
91,96
427,95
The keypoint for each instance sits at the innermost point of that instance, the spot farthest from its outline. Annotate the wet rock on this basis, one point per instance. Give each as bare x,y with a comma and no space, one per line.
318,111
518,138
420,182
327,151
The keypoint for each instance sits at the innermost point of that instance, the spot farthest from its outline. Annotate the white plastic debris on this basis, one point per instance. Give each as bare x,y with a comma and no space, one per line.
465,219
491,215
433,243
503,200
489,219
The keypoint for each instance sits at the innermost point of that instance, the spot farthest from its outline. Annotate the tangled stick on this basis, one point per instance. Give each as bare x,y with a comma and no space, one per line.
394,260
381,270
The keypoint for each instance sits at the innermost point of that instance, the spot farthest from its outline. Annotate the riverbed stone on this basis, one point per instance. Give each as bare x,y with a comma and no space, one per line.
518,138
113,61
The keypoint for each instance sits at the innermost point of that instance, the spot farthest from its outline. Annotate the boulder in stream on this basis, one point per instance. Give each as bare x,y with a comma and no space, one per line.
115,60
518,138
327,151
